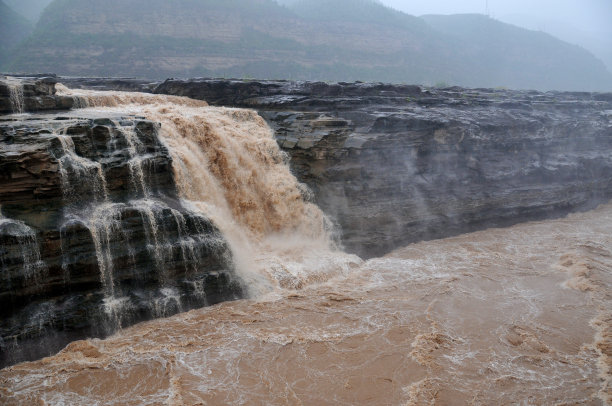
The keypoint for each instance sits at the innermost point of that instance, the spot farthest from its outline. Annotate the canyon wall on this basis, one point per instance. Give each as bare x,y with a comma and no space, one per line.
308,40
395,164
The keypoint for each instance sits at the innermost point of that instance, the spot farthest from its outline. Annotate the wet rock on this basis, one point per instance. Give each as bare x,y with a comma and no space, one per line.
29,94
92,235
394,164
119,84
389,164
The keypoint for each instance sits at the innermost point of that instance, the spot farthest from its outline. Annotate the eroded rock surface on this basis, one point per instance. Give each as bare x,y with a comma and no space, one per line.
393,164
32,93
92,234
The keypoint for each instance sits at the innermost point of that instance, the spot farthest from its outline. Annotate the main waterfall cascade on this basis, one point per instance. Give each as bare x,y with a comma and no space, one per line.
228,167
102,218
240,214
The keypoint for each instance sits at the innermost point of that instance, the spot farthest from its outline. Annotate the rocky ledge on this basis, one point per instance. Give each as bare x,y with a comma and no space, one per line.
394,164
31,93
92,234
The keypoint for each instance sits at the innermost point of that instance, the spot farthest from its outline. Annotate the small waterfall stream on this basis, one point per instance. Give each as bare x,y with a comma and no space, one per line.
16,95
25,245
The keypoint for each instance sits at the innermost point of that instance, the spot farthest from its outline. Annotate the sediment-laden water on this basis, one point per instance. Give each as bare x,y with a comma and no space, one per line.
521,315
503,316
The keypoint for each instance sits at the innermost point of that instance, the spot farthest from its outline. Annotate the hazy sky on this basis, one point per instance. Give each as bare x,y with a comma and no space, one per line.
587,15
583,22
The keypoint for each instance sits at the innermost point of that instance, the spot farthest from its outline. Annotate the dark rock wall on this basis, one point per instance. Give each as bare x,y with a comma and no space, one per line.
38,94
397,164
92,234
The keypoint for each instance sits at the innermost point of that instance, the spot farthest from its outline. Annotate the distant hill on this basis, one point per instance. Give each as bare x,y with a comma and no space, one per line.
13,29
30,9
339,40
597,40
516,57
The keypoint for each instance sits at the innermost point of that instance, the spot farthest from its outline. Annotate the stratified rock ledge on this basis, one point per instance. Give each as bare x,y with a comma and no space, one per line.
93,236
394,164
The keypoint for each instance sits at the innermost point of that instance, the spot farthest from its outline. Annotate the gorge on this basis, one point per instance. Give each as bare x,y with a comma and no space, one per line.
122,207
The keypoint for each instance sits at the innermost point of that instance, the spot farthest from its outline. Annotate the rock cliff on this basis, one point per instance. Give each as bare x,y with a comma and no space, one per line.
308,40
92,234
397,164
31,94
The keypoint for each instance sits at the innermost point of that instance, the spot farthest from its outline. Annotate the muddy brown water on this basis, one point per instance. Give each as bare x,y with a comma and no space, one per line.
503,316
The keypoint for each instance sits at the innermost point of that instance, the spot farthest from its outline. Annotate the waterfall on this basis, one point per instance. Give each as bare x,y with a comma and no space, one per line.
79,171
24,246
228,166
137,159
159,205
88,204
16,95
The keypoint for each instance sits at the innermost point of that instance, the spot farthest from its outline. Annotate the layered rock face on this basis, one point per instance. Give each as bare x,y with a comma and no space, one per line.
92,234
307,40
397,164
28,94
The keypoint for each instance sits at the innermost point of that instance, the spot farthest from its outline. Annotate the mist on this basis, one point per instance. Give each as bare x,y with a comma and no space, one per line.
580,22
30,9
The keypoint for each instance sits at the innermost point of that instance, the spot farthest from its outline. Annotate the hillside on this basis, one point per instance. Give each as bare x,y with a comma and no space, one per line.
340,40
30,9
520,58
13,29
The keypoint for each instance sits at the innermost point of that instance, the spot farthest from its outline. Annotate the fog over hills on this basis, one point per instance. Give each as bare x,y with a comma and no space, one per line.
339,40
13,29
514,56
31,9
596,39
